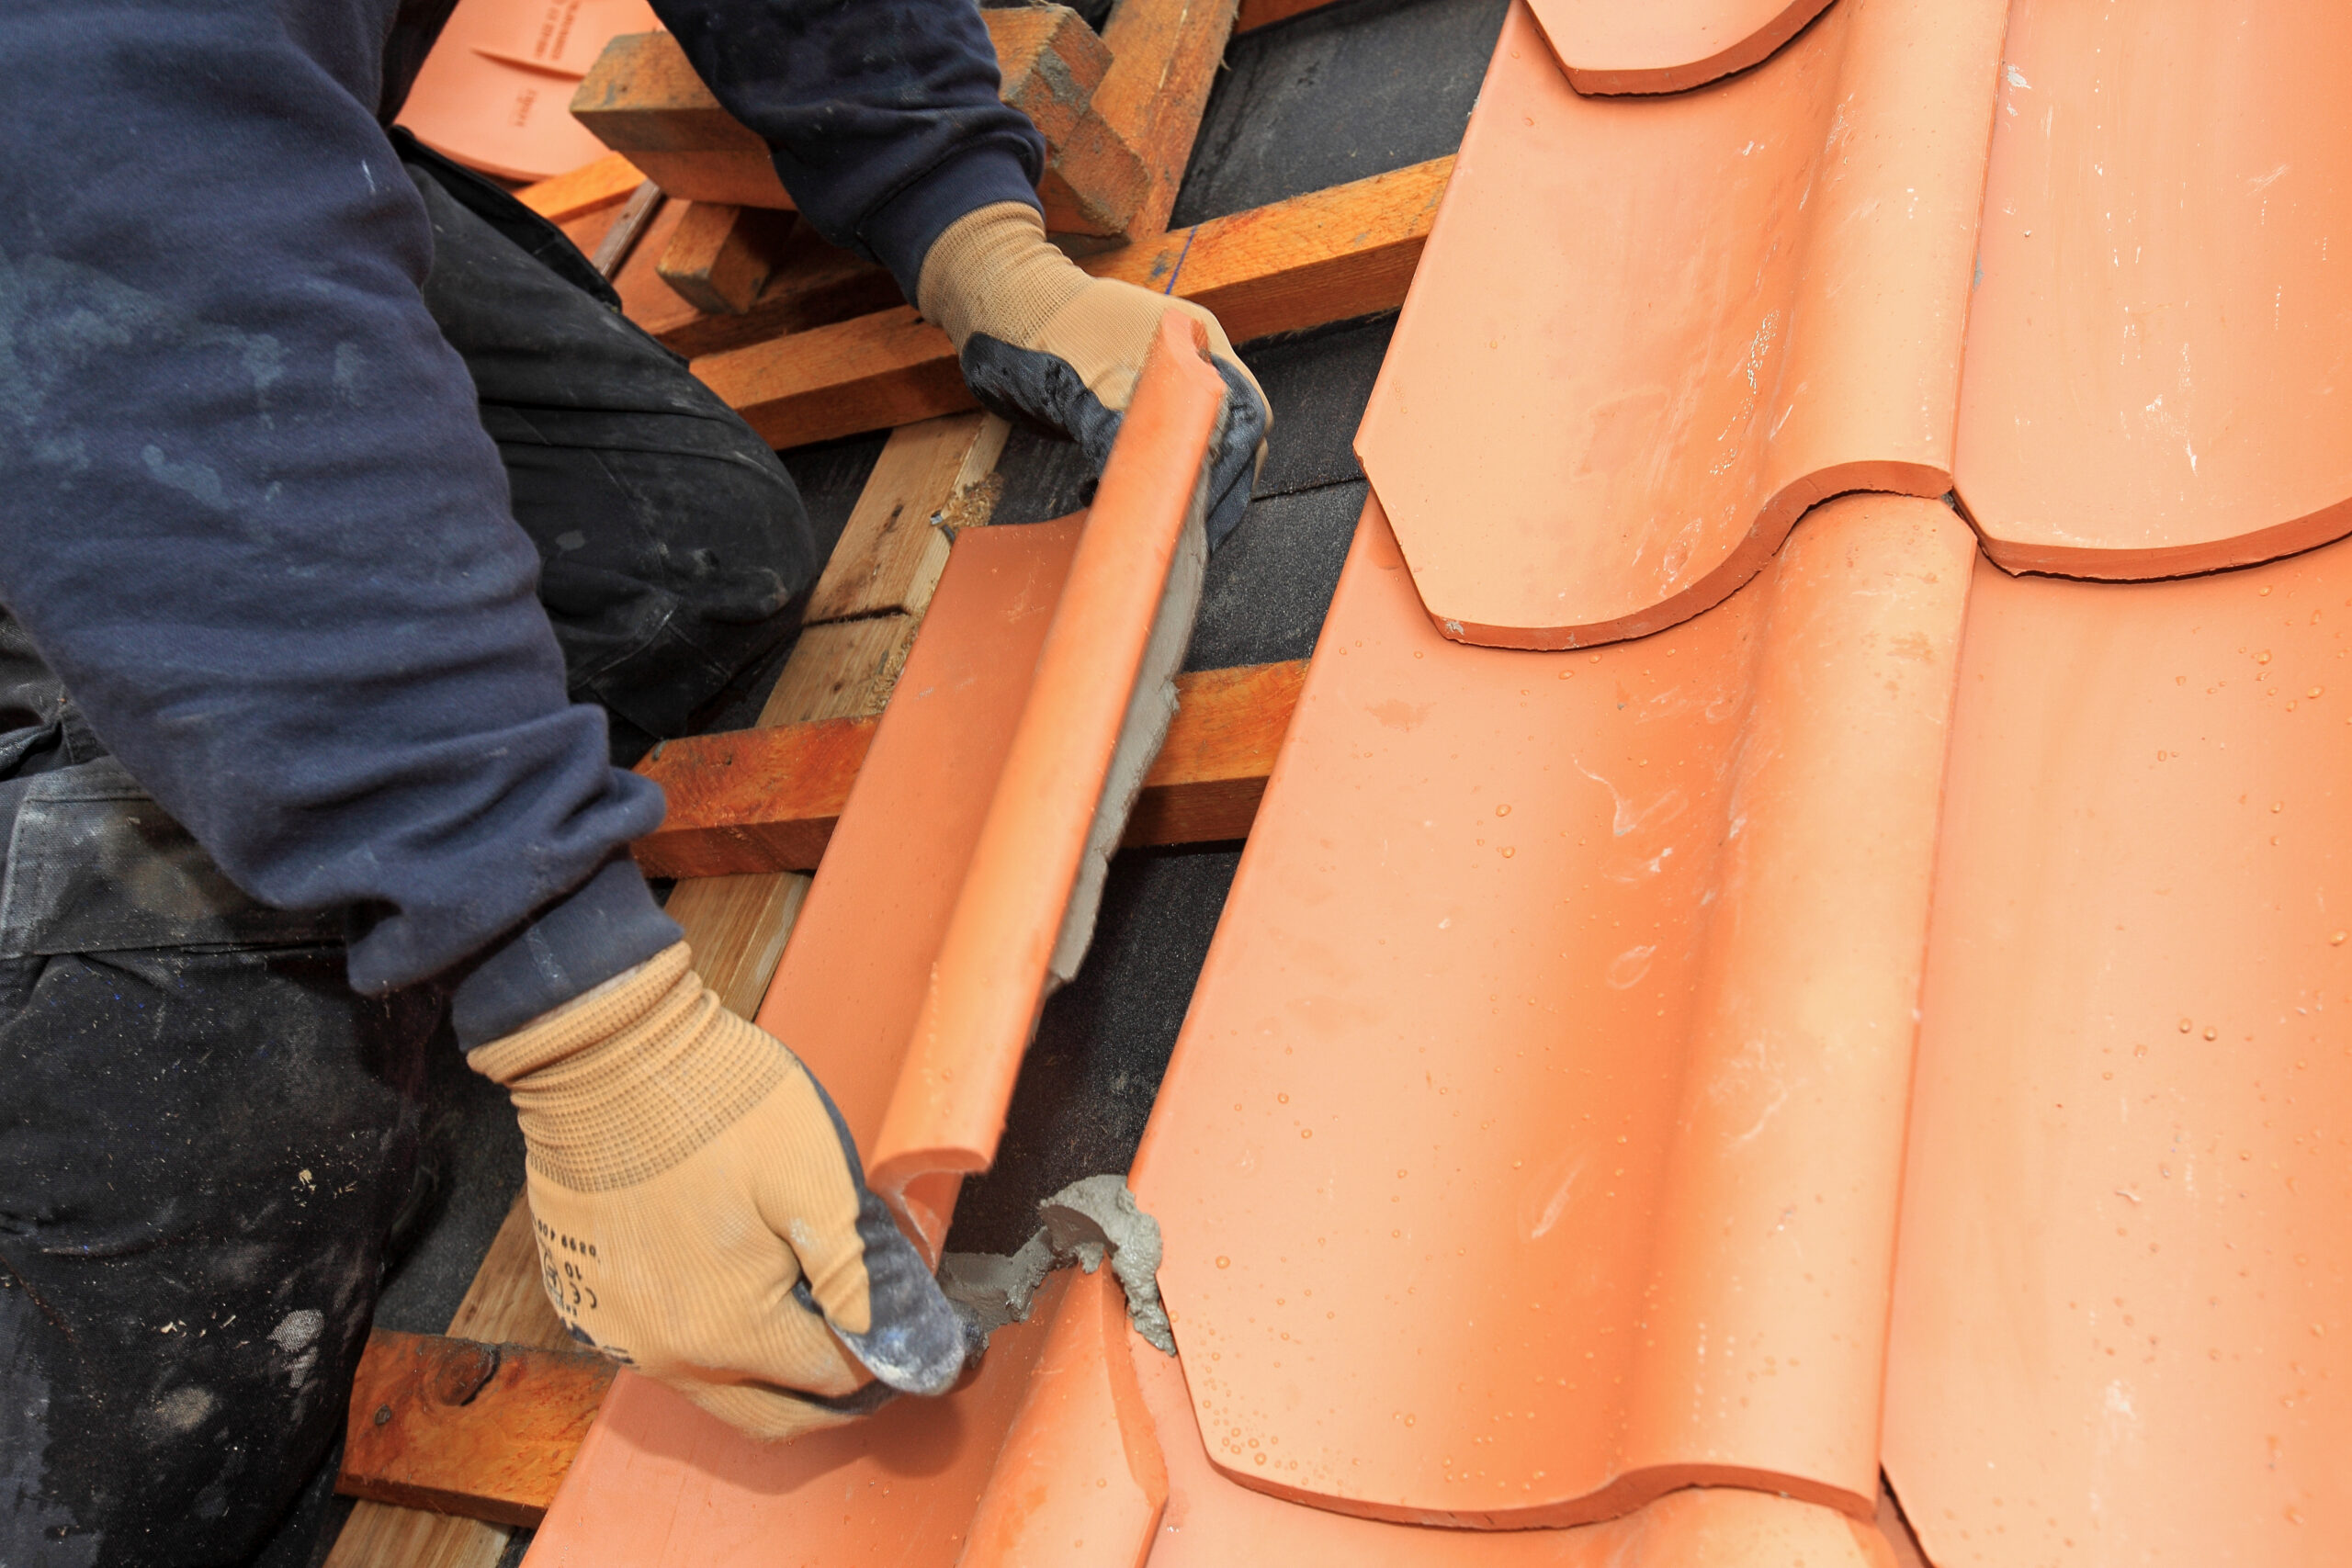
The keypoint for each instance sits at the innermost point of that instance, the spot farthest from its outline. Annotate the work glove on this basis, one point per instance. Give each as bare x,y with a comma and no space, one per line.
701,1215
1044,344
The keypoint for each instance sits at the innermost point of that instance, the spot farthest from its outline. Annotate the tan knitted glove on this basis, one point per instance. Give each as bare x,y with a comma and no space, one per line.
701,1213
1046,345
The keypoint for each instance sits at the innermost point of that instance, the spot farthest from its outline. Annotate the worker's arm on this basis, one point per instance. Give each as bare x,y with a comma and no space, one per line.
886,128
249,514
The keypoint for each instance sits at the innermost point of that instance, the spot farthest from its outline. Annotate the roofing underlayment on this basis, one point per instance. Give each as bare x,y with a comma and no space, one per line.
1888,1015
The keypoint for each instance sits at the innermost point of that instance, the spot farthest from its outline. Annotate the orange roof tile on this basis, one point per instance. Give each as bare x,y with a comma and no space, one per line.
660,1482
1532,1146
916,968
855,974
1665,46
1648,333
1079,1477
2124,1284
2155,348
957,1482
1096,705
495,94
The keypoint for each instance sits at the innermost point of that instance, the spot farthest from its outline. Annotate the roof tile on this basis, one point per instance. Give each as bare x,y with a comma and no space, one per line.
1648,333
2155,348
1665,46
1532,1146
2121,1305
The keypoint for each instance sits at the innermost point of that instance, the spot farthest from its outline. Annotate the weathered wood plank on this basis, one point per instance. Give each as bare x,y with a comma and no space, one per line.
842,671
718,258
629,223
768,799
894,544
737,927
1164,57
1312,260
385,1535
461,1427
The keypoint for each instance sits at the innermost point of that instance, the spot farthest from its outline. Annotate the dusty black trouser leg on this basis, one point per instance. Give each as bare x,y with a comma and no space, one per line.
200,1154
673,547
204,1134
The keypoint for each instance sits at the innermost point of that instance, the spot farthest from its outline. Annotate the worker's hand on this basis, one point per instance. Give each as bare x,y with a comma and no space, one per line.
701,1215
1044,345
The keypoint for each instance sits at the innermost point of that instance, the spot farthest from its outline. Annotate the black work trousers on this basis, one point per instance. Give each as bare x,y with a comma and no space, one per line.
206,1138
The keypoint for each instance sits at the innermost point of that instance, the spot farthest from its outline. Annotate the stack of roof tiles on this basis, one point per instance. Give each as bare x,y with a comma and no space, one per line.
1736,984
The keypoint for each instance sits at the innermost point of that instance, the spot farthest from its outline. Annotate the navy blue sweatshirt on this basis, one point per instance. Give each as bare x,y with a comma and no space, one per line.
247,510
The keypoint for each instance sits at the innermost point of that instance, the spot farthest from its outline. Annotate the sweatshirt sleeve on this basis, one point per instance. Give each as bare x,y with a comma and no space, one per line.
883,115
247,509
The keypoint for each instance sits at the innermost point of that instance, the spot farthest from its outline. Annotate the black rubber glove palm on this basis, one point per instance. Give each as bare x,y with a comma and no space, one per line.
1048,347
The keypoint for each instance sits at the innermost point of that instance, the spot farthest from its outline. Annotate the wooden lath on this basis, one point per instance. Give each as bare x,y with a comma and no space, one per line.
767,799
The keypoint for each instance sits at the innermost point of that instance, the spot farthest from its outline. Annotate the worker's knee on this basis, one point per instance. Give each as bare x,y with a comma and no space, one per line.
201,1151
673,544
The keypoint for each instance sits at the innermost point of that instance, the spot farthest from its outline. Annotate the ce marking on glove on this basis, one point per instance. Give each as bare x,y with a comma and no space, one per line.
566,1281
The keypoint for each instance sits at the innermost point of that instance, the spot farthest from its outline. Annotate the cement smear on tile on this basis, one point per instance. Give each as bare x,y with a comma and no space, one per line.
1085,1222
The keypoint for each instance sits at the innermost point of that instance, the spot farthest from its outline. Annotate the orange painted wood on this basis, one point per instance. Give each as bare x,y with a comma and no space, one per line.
1206,782
1081,1480
752,800
1051,64
658,1484
2124,1289
643,98
1330,257
1665,46
769,799
606,182
1256,14
1326,256
2153,376
993,969
458,1426
1650,332
1547,1077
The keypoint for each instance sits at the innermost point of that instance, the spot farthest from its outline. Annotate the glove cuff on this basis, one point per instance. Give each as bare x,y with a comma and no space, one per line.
626,1081
992,271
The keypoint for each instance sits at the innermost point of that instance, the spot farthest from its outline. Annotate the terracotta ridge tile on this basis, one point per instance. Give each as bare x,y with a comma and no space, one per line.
1098,701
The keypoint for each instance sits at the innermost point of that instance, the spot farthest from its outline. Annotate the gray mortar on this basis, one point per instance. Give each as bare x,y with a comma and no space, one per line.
1084,1223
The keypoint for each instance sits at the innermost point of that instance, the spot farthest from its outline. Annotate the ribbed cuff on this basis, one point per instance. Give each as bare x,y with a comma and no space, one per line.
900,231
608,924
